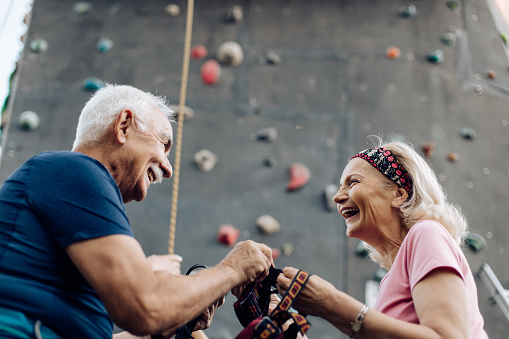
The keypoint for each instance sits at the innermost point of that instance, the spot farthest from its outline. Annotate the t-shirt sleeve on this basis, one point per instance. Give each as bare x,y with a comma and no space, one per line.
431,247
76,199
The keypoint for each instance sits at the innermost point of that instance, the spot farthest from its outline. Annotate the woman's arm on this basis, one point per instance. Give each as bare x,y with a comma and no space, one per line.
440,302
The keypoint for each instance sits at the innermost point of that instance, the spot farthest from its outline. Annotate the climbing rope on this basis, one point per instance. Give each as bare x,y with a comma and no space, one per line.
180,125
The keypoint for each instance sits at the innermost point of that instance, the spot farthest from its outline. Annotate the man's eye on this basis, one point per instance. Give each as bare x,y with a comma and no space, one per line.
353,181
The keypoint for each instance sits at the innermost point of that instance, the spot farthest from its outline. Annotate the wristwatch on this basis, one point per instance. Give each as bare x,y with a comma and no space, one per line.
358,321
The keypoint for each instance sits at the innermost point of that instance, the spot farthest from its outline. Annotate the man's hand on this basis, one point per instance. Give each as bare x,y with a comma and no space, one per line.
250,260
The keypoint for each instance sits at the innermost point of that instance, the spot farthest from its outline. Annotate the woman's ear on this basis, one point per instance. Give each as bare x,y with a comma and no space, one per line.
400,196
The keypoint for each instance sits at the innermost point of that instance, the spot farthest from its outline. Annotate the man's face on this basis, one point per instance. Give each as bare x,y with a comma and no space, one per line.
147,157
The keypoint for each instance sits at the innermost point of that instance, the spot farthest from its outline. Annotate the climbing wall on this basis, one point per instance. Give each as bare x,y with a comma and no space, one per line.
321,76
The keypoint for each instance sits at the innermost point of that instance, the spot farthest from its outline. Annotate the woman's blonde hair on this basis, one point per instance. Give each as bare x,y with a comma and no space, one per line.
429,200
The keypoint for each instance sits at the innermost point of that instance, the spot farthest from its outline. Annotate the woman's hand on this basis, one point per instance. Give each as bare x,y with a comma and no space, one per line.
205,319
314,298
169,263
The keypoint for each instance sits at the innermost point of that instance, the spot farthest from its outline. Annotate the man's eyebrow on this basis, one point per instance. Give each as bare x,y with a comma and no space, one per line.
166,136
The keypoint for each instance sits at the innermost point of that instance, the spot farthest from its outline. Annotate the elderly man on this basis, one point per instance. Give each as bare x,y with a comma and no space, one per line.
69,264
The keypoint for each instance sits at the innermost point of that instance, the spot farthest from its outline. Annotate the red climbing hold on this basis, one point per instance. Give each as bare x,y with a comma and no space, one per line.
299,176
228,234
198,52
276,253
210,72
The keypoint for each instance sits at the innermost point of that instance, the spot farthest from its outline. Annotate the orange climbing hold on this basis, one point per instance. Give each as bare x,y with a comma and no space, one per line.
299,176
198,52
210,72
393,52
227,234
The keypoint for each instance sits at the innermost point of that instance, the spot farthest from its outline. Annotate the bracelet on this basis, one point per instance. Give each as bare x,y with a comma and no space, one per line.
358,321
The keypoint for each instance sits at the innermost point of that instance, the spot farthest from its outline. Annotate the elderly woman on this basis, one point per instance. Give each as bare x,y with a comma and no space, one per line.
391,199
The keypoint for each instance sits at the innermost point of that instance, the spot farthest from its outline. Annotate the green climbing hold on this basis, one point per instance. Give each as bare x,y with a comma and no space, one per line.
408,11
39,45
93,84
380,273
453,6
104,45
475,242
449,39
436,57
505,37
361,249
467,133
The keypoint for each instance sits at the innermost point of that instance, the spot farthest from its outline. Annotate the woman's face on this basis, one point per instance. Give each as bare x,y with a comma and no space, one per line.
364,201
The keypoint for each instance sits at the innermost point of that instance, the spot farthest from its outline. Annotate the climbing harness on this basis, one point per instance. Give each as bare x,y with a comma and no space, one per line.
252,309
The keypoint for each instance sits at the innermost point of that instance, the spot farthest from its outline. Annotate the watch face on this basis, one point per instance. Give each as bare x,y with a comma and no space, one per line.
356,327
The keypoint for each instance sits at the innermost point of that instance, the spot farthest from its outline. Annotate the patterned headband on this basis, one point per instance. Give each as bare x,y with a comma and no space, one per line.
383,160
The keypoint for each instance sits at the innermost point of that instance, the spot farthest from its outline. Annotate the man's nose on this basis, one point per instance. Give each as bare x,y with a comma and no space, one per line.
167,169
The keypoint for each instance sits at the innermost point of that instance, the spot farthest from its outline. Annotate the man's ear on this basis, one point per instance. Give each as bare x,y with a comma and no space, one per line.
400,196
123,125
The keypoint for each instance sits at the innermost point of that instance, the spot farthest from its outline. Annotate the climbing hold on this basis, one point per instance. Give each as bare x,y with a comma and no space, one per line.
428,149
380,273
505,37
198,52
361,250
453,156
478,89
104,45
205,160
492,74
188,112
234,15
272,58
449,39
453,6
287,248
172,10
475,242
268,134
276,253
267,224
93,84
436,57
142,10
28,120
39,45
81,8
269,161
299,176
328,194
230,53
393,52
210,72
467,133
408,11
227,234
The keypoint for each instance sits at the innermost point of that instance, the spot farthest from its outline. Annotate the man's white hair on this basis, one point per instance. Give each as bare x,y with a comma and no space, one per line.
103,107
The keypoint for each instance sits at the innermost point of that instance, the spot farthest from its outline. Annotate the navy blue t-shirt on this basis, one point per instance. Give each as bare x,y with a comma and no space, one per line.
52,201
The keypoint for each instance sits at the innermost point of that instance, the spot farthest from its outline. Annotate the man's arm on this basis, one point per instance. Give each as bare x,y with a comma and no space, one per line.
143,301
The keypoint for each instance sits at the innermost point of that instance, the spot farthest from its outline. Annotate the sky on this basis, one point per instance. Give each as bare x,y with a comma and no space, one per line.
12,13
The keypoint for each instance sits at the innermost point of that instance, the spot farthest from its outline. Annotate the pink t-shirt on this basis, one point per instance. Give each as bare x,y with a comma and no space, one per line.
426,247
